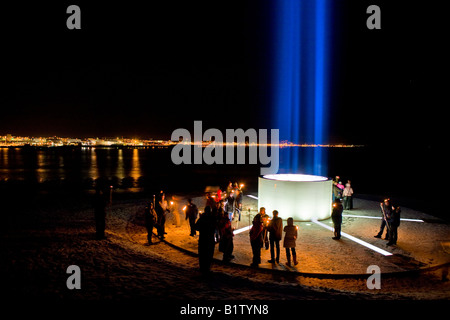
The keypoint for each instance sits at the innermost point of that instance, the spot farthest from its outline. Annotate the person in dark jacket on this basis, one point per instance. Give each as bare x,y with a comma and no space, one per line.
265,219
275,233
336,216
226,237
150,218
256,240
386,213
395,223
229,206
206,225
191,215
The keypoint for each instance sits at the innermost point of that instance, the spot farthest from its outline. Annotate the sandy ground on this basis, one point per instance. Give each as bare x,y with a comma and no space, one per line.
35,256
420,245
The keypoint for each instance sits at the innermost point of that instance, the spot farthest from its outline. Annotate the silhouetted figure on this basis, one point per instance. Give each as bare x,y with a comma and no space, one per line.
238,203
101,200
336,190
229,188
275,229
210,201
290,239
191,215
395,223
336,216
161,211
265,222
256,240
348,196
229,206
226,244
174,208
206,225
151,218
386,212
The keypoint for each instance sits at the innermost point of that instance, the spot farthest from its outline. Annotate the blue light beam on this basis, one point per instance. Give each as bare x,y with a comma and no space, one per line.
300,88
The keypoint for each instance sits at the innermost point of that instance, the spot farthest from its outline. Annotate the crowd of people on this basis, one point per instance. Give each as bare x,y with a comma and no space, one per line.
343,200
155,217
390,220
266,232
343,193
215,223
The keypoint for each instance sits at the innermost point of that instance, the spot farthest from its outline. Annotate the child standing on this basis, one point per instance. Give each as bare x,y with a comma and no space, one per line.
289,241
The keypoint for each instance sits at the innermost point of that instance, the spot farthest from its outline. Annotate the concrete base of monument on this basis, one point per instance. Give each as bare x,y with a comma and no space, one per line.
423,243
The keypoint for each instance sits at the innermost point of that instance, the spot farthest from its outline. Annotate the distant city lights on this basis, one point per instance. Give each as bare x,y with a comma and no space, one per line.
54,141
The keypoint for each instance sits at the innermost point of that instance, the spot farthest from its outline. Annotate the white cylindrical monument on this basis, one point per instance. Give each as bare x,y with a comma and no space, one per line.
300,196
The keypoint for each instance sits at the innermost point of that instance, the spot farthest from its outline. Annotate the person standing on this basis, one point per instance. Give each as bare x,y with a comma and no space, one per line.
238,203
226,237
161,211
336,190
191,215
174,208
206,225
100,203
348,196
256,240
386,211
210,202
336,216
229,188
275,233
150,218
265,222
393,232
229,206
290,238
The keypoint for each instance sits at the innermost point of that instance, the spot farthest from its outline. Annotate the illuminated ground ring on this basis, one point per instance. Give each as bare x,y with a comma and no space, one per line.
302,197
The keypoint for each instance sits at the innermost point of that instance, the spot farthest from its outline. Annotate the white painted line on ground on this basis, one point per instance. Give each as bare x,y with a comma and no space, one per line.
242,229
346,235
371,217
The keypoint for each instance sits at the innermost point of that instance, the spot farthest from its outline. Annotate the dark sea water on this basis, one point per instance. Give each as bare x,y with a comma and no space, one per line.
402,172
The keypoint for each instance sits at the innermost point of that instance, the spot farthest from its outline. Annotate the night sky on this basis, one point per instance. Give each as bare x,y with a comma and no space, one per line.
142,71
